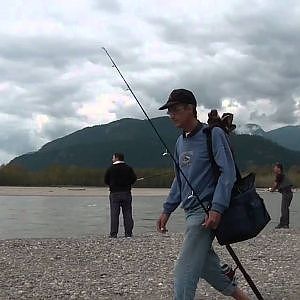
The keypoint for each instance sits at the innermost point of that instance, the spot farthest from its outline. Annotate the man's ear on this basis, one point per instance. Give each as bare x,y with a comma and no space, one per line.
190,108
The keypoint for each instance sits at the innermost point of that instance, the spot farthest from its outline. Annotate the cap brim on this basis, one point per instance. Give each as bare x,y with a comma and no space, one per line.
167,105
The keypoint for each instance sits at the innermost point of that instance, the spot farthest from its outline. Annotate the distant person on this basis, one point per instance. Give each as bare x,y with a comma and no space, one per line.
197,258
283,185
120,177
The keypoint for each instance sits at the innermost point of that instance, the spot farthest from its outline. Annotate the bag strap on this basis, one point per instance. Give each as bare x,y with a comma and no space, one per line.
216,168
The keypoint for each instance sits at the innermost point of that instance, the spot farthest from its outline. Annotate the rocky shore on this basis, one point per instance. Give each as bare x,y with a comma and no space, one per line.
137,268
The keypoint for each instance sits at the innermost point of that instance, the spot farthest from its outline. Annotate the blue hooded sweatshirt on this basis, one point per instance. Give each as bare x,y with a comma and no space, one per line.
191,154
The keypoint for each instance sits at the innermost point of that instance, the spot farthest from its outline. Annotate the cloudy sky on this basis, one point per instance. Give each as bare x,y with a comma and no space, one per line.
237,56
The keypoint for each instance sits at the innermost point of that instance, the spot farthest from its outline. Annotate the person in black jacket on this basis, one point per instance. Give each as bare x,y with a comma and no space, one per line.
120,177
283,185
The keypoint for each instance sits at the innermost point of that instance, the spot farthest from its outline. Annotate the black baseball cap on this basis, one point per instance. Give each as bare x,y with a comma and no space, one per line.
180,96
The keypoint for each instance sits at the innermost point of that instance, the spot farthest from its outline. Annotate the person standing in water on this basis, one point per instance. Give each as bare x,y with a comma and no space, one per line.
283,185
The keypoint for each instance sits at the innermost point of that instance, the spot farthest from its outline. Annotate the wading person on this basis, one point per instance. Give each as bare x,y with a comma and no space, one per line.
283,185
197,258
120,177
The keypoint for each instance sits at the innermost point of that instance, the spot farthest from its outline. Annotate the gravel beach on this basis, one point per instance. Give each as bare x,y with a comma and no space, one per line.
137,268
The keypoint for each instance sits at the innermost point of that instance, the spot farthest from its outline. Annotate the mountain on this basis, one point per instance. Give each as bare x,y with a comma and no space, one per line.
288,136
256,150
92,147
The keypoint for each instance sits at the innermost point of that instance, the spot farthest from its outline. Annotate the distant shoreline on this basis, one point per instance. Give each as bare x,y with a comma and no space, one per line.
81,191
75,191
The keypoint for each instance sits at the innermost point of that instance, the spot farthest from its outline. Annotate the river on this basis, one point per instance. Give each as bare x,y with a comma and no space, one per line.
54,216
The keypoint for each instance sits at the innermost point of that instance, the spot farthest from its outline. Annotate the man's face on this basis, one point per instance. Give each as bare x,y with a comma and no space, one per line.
114,158
277,170
180,114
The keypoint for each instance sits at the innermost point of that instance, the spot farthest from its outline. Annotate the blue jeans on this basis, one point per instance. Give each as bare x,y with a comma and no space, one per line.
198,259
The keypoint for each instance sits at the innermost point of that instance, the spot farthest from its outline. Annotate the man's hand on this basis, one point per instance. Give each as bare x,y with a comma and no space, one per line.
162,222
213,219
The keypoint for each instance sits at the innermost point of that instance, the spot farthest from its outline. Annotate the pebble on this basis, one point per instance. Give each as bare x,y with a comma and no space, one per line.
138,268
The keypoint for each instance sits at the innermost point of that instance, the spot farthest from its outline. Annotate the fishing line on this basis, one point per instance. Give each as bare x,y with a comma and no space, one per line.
228,247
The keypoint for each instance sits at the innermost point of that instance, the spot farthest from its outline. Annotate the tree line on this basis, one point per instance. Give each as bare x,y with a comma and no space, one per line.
14,175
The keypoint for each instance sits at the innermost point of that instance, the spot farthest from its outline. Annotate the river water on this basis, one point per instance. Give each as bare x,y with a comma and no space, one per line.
77,216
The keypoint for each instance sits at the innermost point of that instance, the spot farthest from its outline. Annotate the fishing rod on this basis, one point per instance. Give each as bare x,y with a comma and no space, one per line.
147,177
228,247
158,174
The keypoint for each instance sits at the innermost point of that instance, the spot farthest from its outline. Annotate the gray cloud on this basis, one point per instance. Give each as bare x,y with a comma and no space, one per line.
252,55
57,128
32,72
112,6
51,51
16,139
242,51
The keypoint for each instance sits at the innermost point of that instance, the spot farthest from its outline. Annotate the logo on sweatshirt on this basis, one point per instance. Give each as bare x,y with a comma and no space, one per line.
186,158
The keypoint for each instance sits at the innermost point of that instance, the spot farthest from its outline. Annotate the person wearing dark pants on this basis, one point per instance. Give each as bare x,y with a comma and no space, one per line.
284,186
120,200
120,177
285,213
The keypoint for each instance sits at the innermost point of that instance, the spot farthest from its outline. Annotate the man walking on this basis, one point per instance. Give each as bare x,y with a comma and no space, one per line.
197,257
120,177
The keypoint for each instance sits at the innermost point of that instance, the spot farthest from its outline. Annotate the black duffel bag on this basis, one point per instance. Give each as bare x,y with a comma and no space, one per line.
246,215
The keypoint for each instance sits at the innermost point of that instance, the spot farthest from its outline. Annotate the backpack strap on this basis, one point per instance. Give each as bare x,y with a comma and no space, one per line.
216,168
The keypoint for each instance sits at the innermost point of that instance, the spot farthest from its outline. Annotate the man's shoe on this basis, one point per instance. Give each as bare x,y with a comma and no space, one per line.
229,272
113,236
279,226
